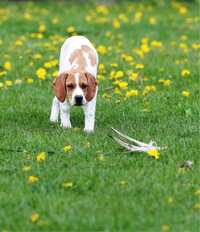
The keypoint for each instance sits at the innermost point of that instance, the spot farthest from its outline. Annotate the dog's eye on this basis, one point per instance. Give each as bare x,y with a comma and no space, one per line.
70,86
83,86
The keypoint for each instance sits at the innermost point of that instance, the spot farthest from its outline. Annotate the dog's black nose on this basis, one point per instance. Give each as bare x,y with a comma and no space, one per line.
78,100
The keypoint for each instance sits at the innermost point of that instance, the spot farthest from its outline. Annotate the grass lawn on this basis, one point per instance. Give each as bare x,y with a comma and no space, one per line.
148,89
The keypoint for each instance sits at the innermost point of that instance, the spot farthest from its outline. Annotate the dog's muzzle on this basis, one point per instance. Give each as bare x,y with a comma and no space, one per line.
78,100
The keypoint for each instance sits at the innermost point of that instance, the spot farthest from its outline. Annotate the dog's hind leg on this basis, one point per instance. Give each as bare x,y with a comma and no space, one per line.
55,109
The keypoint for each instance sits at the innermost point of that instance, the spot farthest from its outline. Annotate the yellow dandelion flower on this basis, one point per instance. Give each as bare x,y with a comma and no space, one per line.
148,89
2,73
132,93
18,42
139,66
123,84
145,40
116,23
67,148
47,65
32,179
185,93
101,68
8,83
119,74
55,74
137,17
117,91
35,217
71,29
156,44
145,48
7,65
197,206
185,72
133,76
183,10
28,16
1,85
100,77
37,56
114,65
170,200
184,37
87,145
54,62
127,57
123,18
102,49
41,156
123,182
152,20
102,9
197,192
26,168
100,157
55,20
41,73
29,81
67,184
165,227
18,81
196,46
42,28
165,82
108,34
139,52
153,153
76,129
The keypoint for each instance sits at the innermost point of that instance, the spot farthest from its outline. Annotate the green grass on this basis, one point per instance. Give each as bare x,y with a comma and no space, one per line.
157,195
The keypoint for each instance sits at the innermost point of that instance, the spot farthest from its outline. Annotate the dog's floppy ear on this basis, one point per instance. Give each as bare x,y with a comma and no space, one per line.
59,86
91,88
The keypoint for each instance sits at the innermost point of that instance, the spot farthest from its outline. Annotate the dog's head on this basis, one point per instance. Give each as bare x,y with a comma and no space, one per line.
78,88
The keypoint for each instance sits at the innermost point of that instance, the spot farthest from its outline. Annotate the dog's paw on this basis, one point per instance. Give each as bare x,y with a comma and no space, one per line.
53,119
88,130
66,125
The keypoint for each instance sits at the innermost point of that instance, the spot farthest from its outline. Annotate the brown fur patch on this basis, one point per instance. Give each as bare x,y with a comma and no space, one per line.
59,86
70,84
64,85
78,57
91,54
91,87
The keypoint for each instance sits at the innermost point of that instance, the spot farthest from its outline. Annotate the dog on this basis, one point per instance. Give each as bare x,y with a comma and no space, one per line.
76,84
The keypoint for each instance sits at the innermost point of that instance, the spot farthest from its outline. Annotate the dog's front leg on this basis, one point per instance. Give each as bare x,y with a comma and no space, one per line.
89,111
55,110
65,115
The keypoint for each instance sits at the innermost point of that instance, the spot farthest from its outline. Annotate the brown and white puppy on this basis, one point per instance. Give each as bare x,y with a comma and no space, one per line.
76,83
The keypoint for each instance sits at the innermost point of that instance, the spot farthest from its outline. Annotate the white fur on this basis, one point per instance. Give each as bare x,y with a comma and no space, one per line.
89,108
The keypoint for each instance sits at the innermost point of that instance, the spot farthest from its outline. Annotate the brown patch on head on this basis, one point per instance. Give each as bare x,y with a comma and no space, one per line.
83,83
59,86
90,87
91,54
77,56
70,84
63,85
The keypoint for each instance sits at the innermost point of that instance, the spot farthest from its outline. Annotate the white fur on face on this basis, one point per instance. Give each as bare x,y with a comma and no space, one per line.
77,91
